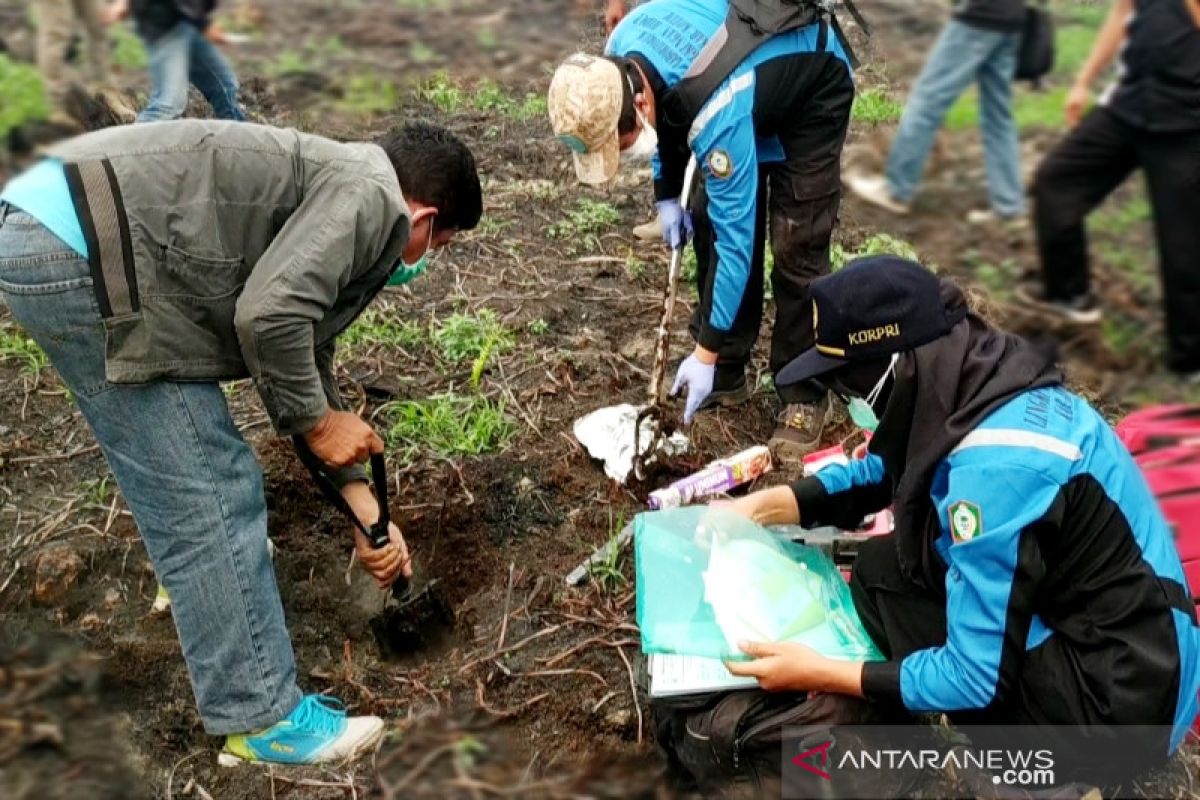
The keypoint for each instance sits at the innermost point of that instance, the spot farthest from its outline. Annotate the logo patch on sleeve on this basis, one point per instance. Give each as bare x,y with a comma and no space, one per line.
966,521
720,164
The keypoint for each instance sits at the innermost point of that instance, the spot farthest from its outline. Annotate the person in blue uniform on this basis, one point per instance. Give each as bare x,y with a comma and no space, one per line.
767,141
1031,578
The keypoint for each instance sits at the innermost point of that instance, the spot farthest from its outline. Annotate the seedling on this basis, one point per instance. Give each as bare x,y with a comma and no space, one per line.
98,492
466,336
585,222
538,327
443,93
607,573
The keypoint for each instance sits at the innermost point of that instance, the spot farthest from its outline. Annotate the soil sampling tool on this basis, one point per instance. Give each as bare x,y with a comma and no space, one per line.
409,620
659,427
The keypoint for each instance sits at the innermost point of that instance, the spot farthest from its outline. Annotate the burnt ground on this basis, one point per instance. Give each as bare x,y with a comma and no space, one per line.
511,683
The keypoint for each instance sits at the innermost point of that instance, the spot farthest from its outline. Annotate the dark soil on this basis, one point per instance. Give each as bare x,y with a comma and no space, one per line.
504,680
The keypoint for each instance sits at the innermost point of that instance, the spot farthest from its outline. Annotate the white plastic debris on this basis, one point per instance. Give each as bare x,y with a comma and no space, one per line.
608,435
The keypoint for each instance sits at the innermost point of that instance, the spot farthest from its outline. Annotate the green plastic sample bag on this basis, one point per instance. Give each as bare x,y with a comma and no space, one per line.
708,578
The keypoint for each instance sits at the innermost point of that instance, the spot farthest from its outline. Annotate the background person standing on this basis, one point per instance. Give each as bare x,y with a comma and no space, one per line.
979,45
767,141
181,40
1149,118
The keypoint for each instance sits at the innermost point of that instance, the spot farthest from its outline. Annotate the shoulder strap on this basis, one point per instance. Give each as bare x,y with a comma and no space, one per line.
748,24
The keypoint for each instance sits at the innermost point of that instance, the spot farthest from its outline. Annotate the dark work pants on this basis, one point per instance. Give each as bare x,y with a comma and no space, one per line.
902,618
1092,161
799,198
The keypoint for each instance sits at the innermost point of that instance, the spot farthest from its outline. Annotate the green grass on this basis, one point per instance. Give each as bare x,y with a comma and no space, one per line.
997,278
289,62
492,225
538,327
874,106
447,425
1122,333
468,336
1121,219
635,268
585,222
15,346
876,245
451,97
369,93
375,327
421,53
128,51
22,97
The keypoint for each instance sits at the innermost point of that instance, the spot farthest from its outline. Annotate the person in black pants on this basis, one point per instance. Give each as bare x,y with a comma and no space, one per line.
1150,118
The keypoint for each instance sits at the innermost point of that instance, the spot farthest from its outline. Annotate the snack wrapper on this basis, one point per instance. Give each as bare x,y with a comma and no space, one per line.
718,477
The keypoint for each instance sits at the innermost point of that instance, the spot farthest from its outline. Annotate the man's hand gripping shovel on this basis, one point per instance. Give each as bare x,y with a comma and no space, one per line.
408,620
656,416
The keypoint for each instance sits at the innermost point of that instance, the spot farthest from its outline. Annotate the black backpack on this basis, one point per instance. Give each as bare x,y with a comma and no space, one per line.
747,25
1036,57
712,742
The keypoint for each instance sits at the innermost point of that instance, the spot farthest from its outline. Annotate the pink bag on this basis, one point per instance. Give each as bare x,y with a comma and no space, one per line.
1165,443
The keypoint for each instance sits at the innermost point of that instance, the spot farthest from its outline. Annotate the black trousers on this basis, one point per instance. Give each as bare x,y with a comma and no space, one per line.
799,197
902,618
1092,161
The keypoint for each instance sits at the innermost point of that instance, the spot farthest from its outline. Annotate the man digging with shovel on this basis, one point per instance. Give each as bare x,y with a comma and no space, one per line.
152,262
765,116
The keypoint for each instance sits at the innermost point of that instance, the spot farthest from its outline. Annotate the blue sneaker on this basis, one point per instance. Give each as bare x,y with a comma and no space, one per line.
317,731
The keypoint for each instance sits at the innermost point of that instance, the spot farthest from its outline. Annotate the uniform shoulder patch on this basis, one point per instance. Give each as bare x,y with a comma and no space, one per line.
966,521
720,164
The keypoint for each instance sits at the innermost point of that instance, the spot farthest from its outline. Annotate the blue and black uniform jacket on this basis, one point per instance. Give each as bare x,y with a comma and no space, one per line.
1057,559
668,35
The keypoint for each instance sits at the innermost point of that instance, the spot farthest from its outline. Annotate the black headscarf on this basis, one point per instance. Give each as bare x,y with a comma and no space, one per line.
942,391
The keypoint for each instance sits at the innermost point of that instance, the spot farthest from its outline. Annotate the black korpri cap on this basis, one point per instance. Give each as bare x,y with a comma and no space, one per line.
872,307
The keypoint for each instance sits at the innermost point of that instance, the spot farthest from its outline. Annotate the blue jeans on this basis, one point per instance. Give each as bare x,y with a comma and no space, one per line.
961,55
184,56
190,479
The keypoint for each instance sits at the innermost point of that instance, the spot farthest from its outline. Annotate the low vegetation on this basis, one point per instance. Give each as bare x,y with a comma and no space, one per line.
446,425
18,348
22,97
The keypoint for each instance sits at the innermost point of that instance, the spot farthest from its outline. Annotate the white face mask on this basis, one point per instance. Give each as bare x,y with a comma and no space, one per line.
645,145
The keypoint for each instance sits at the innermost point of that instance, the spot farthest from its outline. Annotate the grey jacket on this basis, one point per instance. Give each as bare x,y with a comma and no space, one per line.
225,250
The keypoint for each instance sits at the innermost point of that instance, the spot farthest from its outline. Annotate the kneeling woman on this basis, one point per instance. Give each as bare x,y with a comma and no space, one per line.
1032,579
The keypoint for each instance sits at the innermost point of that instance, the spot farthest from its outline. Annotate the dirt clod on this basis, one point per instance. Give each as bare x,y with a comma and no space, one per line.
56,571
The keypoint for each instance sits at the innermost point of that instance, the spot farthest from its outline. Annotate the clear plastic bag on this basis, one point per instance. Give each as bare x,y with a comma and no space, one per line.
708,578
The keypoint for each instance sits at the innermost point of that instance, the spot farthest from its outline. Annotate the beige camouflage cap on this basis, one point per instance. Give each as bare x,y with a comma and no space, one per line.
585,107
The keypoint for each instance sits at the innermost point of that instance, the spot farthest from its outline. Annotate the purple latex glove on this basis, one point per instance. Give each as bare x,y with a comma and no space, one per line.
698,378
676,223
